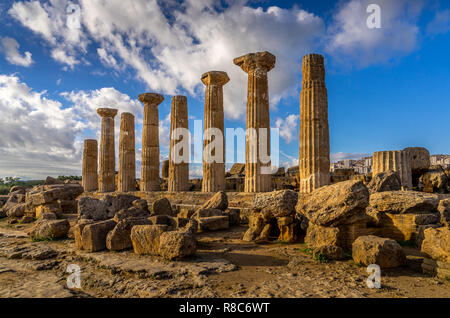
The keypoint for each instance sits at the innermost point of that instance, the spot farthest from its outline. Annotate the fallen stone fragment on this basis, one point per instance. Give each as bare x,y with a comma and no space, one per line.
94,235
213,223
49,229
386,253
444,210
385,181
219,201
277,203
119,238
162,207
179,243
333,205
436,244
146,238
399,202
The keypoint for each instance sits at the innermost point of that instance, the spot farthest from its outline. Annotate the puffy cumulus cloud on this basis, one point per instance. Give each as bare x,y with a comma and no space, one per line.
288,127
36,131
352,41
181,42
41,136
58,22
10,48
86,103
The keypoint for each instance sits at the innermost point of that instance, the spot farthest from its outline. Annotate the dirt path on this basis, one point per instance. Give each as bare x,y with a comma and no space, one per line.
223,267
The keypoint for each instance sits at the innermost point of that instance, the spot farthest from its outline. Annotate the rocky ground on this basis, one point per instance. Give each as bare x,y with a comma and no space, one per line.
224,266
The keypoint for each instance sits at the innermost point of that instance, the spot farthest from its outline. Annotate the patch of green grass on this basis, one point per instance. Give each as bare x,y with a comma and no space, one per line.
42,239
321,258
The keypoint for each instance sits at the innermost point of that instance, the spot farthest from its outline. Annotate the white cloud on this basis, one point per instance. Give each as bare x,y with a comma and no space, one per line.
58,22
338,156
37,132
351,41
288,127
182,41
440,23
10,48
41,136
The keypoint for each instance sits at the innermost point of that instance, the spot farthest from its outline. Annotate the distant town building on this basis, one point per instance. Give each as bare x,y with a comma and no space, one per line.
440,160
362,166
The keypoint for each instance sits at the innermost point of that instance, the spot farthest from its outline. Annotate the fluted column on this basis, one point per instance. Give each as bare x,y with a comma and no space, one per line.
314,153
397,161
165,169
150,142
90,158
178,172
107,160
127,154
258,177
214,170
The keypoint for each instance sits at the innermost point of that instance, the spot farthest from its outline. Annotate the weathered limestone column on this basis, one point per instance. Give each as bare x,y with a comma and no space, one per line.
150,142
178,172
89,173
127,154
258,176
165,169
314,153
398,161
214,172
107,160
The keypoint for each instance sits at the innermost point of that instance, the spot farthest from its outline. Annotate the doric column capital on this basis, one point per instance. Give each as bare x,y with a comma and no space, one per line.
151,98
107,112
215,78
253,61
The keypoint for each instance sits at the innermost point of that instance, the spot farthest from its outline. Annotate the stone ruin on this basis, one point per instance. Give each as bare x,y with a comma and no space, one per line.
335,215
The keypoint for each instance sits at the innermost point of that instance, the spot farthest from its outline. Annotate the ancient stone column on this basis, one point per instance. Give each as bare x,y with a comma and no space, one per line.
178,172
398,161
214,162
127,154
165,169
89,173
107,160
314,154
150,142
257,170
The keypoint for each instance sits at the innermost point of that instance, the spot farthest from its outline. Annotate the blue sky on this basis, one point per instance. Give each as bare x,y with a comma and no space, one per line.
388,88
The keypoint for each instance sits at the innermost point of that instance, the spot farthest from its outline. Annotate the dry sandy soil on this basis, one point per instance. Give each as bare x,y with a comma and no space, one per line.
224,266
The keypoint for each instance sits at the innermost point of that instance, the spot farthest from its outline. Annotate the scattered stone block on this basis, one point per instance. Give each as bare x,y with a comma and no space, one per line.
119,238
49,229
385,181
146,238
386,253
219,201
333,205
162,207
444,210
402,202
213,223
94,235
436,244
178,244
